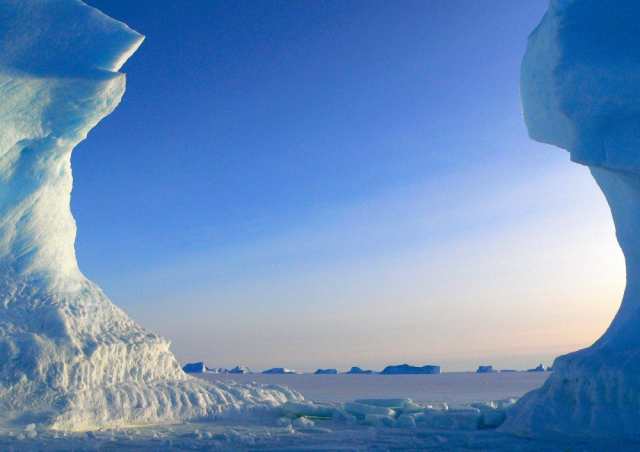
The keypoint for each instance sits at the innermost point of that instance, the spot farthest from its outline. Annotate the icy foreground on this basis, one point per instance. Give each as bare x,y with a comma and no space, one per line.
70,358
452,412
581,92
459,417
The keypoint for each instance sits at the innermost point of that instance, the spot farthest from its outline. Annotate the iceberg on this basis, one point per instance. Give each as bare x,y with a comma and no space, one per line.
279,370
485,369
70,358
580,84
326,372
194,368
357,371
407,369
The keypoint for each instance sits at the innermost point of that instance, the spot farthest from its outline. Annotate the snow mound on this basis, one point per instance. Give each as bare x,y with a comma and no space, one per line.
581,92
70,358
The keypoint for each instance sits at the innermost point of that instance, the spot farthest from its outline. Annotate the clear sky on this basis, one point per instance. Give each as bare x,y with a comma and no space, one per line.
334,183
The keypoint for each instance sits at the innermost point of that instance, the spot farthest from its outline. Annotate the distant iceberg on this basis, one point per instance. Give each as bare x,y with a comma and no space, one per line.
326,372
194,368
407,369
279,370
485,369
357,370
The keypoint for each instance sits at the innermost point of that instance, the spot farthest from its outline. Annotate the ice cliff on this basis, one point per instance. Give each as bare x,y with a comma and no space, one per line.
581,92
69,357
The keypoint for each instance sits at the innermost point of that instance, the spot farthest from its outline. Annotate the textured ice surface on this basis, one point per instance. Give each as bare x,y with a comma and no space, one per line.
70,358
412,426
581,92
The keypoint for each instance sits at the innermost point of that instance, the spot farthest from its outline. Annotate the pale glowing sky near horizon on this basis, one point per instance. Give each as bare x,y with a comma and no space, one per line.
530,269
328,184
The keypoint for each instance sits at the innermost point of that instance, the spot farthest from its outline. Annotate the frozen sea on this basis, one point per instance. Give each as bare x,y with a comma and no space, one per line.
455,388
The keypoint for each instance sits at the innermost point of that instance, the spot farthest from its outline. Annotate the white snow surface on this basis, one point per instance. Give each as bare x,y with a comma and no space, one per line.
581,92
70,358
365,423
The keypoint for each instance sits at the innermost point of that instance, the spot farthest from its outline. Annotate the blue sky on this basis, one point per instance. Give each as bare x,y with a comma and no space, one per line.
318,184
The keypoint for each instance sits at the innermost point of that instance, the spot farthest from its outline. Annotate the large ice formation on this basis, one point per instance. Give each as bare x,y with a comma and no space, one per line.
581,92
68,356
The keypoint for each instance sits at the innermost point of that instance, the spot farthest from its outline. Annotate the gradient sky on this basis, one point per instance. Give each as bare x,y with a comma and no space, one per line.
334,183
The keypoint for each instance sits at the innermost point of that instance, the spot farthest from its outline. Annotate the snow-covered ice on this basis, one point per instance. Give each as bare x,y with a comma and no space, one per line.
70,358
383,423
581,92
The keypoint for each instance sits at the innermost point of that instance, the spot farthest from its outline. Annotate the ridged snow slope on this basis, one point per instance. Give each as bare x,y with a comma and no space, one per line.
69,358
581,92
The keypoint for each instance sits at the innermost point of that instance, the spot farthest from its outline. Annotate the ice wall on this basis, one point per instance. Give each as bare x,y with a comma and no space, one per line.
581,92
68,356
